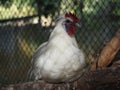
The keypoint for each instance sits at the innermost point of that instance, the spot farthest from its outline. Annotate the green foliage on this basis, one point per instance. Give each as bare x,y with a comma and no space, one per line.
116,10
6,3
46,7
16,8
95,6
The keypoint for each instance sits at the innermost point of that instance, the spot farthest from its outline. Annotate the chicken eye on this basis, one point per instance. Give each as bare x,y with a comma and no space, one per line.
68,21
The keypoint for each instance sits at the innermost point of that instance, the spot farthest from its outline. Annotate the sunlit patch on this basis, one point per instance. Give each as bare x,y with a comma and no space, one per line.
46,21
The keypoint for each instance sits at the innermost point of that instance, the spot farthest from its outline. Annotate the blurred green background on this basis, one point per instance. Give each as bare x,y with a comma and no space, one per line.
25,24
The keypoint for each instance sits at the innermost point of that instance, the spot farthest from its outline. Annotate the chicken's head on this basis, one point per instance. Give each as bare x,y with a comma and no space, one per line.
69,22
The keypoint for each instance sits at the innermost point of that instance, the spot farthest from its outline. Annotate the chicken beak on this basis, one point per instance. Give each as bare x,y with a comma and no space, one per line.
78,24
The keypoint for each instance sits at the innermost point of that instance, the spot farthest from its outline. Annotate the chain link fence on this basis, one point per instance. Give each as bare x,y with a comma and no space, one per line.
25,24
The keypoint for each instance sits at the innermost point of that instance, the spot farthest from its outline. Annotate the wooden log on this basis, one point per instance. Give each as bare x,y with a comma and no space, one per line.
116,63
108,53
103,79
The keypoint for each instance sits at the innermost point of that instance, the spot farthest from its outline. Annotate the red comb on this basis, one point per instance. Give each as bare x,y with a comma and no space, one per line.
72,16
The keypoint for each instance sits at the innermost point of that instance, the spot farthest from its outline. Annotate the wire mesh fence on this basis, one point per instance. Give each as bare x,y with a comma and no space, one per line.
24,25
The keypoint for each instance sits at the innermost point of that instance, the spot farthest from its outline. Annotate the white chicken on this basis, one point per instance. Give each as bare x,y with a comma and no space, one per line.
59,59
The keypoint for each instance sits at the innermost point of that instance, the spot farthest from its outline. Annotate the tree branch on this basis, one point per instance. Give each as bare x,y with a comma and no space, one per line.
109,51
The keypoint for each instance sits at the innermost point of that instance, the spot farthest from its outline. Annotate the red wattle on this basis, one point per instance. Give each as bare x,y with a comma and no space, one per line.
71,30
